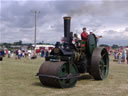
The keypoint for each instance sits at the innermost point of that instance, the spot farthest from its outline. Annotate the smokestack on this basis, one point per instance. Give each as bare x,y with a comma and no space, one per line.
67,28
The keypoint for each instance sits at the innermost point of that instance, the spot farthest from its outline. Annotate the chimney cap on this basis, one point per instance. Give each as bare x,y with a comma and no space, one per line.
67,17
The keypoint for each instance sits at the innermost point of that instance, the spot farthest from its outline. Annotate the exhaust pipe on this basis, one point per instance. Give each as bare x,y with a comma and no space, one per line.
67,28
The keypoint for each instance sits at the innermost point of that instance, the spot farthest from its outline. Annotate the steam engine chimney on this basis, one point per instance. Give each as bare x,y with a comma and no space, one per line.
67,28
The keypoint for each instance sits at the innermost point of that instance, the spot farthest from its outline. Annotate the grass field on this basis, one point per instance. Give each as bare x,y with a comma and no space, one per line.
17,78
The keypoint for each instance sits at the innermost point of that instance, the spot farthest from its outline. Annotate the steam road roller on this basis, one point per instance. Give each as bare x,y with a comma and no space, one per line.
67,61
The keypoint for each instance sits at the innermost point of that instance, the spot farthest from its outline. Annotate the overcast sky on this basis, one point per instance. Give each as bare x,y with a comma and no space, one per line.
108,18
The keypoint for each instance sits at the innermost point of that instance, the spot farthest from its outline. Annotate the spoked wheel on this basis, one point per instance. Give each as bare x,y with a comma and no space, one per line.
100,64
56,74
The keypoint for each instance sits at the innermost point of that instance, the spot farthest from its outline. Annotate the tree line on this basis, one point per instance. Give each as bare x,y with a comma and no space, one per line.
20,43
114,46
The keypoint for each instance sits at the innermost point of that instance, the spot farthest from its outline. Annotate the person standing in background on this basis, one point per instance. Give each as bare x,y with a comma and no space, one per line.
9,53
119,57
42,53
19,54
127,56
124,56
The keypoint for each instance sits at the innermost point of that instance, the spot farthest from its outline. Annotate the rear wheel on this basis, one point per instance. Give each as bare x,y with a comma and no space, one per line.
100,64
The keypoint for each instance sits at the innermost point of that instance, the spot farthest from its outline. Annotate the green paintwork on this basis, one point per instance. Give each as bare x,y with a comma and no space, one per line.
91,43
63,72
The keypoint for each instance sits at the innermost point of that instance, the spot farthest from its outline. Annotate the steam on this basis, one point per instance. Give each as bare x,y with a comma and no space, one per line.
95,8
98,15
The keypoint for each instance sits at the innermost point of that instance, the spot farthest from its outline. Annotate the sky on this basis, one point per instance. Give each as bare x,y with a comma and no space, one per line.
108,18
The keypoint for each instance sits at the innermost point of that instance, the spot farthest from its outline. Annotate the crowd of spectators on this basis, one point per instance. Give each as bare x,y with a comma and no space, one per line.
121,55
27,53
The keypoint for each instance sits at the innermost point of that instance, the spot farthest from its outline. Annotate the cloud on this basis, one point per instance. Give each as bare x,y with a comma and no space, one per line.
120,36
107,18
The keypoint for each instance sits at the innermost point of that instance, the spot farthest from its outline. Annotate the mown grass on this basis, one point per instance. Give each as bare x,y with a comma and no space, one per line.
17,78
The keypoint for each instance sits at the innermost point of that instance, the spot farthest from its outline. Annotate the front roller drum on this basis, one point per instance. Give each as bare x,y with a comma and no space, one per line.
100,64
56,74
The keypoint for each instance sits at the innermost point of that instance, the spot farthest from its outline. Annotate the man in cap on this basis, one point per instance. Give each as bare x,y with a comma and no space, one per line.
84,34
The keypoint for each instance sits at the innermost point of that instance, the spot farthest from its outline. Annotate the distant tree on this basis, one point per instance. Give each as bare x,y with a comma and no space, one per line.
7,45
104,45
115,46
42,42
18,43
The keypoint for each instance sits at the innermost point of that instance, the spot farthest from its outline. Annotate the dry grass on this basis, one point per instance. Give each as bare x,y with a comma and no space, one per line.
17,78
